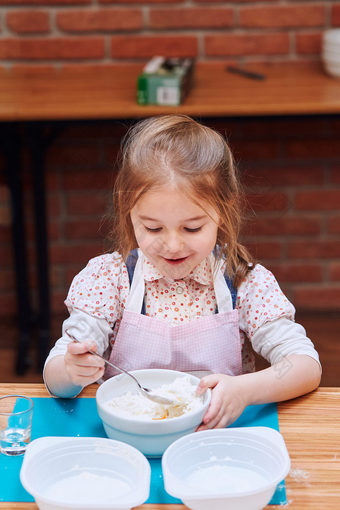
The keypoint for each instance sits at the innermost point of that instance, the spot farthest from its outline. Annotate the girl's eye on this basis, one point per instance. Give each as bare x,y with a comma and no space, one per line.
193,229
153,229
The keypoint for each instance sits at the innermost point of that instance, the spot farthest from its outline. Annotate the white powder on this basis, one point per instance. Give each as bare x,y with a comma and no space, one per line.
225,479
87,487
135,405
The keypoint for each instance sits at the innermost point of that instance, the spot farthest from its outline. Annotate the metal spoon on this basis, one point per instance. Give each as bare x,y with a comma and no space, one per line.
146,392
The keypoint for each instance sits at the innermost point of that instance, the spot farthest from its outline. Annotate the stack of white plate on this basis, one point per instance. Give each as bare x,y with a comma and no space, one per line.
331,51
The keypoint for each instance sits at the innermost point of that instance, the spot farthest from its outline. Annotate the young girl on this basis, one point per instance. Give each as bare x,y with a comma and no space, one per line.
190,297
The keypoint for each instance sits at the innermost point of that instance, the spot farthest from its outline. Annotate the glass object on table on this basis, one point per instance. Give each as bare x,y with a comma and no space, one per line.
16,412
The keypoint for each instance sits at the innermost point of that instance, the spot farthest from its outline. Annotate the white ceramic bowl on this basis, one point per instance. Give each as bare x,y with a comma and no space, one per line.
237,468
330,47
85,473
331,55
332,67
331,36
151,437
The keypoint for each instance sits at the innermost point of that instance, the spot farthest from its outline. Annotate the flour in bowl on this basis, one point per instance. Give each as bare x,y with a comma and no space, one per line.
87,488
181,390
225,479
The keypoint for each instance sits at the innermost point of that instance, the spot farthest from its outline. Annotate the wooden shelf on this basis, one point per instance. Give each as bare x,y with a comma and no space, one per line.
289,89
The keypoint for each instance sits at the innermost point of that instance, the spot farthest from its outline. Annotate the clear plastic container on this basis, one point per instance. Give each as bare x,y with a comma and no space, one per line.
237,468
81,473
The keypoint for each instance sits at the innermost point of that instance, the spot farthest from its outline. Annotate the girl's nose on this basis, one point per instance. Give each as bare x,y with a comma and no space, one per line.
173,242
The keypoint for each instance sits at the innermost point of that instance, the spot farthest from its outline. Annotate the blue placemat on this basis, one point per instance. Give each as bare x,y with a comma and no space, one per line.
78,417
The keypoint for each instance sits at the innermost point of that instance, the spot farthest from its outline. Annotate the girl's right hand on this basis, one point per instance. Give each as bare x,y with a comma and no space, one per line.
82,367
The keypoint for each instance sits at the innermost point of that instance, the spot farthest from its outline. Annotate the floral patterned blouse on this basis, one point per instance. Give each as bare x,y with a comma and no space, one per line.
266,317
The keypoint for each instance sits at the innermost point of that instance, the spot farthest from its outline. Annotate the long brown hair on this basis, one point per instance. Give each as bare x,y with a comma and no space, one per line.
175,149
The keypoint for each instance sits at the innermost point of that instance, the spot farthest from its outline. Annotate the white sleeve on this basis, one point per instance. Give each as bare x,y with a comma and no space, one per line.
282,337
84,327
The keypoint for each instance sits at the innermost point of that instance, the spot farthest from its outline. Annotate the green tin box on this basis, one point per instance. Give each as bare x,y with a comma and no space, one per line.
165,81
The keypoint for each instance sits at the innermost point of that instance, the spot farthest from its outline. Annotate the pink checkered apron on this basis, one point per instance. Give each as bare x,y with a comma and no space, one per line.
208,344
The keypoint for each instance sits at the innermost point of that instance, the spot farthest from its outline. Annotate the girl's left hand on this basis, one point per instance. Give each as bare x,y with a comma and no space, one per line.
228,400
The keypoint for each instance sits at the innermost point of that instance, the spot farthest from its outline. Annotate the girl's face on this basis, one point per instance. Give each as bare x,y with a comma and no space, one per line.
174,232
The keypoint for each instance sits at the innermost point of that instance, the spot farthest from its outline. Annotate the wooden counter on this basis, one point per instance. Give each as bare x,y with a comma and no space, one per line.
310,426
107,93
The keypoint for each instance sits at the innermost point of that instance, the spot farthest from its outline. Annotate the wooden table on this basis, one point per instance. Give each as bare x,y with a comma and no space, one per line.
110,93
310,426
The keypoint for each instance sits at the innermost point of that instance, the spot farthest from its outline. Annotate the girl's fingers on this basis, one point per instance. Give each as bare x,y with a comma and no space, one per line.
77,347
83,380
84,360
214,410
221,420
86,371
78,354
209,381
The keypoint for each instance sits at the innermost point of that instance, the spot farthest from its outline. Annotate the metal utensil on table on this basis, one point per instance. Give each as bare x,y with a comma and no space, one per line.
146,392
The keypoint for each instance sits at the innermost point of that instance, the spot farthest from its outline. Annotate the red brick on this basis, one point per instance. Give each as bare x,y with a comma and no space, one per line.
83,180
7,281
111,152
70,272
191,18
146,46
239,1
53,205
308,44
54,277
334,225
141,1
334,124
296,272
321,200
32,66
114,131
286,127
252,150
287,225
80,253
313,249
61,48
314,148
82,204
76,154
5,233
335,15
47,3
283,16
8,306
282,176
6,255
334,271
267,202
5,207
317,298
25,22
335,175
57,302
51,179
101,20
265,250
86,229
53,229
247,44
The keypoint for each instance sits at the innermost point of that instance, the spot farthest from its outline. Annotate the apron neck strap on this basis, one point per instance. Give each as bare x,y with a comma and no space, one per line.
137,287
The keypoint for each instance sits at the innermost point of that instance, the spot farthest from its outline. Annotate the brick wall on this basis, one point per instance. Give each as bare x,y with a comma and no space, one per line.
291,170
37,32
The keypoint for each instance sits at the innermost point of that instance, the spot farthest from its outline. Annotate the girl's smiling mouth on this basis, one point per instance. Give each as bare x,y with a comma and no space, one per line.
175,261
